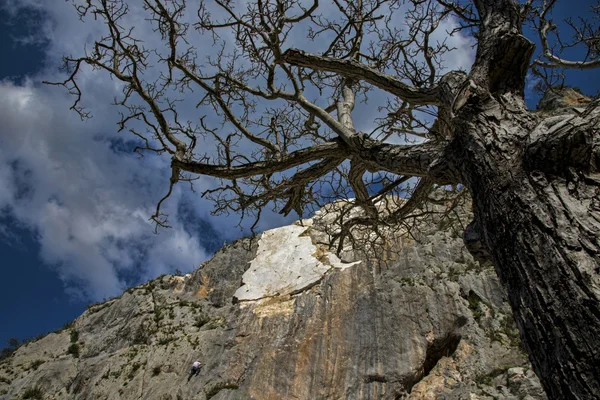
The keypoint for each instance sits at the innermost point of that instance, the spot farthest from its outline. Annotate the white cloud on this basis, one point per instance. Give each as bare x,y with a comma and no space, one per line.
62,180
462,55
87,204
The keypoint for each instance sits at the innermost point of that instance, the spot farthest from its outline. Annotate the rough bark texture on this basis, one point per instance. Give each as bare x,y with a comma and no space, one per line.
534,182
536,209
422,322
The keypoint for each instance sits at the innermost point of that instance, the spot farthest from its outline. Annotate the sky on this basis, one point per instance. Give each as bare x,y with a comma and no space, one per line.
74,199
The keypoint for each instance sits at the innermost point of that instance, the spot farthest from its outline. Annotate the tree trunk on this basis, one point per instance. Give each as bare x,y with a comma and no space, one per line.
535,190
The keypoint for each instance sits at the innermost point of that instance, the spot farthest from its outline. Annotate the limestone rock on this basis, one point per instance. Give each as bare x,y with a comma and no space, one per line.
418,320
286,262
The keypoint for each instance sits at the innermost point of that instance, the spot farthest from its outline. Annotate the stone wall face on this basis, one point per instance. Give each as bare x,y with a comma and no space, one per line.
421,320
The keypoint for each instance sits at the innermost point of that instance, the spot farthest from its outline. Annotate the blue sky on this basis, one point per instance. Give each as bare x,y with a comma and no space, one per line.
74,203
48,277
33,300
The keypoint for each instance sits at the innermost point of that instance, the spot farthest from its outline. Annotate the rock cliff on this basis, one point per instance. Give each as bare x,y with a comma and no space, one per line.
280,317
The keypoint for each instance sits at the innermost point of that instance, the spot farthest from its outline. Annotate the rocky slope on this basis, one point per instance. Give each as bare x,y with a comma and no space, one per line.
280,317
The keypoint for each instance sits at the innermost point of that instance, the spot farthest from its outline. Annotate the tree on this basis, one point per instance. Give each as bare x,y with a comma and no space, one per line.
279,124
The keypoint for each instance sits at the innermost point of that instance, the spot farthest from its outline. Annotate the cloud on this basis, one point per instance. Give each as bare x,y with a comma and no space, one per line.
462,55
76,185
87,204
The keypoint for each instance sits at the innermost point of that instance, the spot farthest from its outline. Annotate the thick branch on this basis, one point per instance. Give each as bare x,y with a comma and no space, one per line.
557,62
355,178
564,141
298,157
419,196
503,53
416,160
359,71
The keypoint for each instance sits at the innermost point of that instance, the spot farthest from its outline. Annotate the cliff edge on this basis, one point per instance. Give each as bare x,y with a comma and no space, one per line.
280,317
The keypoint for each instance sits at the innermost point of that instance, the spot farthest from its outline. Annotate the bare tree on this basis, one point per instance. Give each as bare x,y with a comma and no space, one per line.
278,126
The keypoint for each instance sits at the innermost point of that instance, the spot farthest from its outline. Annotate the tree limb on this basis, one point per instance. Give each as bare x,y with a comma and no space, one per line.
295,158
415,160
356,70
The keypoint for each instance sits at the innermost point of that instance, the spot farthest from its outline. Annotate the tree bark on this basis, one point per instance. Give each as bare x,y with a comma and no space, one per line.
539,222
535,188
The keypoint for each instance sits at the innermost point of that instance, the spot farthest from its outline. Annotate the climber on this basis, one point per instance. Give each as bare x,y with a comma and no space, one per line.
195,369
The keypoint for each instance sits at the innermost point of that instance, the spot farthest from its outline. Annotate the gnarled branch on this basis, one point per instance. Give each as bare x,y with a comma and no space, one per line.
356,70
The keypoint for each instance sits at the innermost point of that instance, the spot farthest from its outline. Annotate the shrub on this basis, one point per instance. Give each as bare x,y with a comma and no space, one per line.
13,344
165,340
34,392
73,350
157,315
134,369
132,354
6,352
156,370
74,335
38,337
484,379
141,335
475,305
201,320
34,365
67,325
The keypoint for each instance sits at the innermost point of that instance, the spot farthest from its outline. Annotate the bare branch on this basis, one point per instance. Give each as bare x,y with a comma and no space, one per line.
358,71
298,157
414,160
585,33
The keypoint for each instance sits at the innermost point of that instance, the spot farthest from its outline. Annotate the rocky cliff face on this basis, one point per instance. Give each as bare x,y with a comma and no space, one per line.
280,317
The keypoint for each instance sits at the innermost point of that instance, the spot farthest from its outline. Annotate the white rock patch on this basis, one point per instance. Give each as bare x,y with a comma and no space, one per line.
284,264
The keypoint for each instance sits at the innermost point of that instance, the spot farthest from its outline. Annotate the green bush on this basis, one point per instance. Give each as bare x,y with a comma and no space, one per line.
13,345
34,392
67,325
484,379
142,334
73,350
35,364
475,305
201,320
165,340
134,369
74,335
157,315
